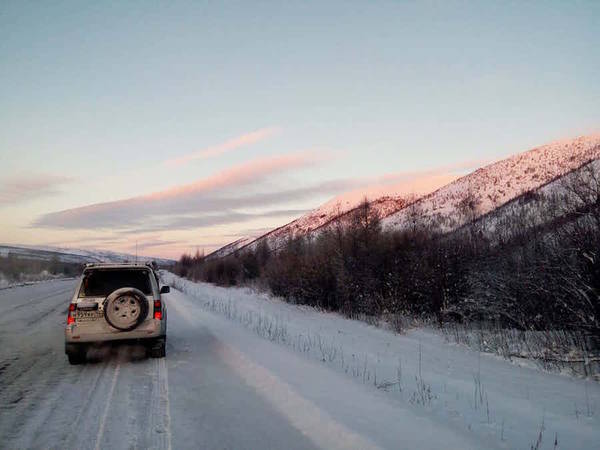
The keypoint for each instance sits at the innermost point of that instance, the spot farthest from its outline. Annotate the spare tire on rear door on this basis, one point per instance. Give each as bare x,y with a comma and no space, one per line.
125,308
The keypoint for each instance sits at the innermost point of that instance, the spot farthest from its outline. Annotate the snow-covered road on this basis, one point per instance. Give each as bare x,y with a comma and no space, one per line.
221,386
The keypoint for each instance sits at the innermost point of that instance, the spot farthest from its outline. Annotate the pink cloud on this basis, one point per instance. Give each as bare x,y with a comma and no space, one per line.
29,187
182,199
450,169
241,174
227,146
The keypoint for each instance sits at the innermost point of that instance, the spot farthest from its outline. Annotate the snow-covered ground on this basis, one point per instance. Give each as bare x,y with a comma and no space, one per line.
499,403
221,386
245,371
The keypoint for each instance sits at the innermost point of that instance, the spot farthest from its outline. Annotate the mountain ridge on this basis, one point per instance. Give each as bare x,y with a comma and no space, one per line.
490,187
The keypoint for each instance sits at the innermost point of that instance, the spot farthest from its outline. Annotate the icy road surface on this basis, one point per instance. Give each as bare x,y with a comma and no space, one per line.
224,386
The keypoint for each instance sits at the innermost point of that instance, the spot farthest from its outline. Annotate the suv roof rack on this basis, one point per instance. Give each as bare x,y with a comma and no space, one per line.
104,264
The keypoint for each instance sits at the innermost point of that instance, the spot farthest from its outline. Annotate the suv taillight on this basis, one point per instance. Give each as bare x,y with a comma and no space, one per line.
71,313
157,310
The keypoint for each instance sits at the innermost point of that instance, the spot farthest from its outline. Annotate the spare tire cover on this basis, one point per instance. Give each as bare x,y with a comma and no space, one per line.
125,308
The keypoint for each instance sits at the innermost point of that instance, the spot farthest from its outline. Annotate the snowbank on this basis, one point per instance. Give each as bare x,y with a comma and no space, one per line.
492,398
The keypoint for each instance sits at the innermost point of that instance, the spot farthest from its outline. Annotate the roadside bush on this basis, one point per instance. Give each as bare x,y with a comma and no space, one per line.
16,269
533,277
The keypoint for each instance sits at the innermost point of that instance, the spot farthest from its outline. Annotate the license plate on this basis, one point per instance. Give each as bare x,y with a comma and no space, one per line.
88,316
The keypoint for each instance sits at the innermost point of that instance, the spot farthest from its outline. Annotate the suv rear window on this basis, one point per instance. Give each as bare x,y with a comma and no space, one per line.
100,283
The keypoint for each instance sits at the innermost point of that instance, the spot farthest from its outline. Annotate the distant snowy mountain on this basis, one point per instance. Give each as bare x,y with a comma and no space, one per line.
71,255
231,247
538,210
451,206
310,223
496,184
322,217
385,198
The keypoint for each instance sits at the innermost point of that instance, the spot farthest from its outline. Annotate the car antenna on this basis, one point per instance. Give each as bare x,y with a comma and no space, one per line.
136,251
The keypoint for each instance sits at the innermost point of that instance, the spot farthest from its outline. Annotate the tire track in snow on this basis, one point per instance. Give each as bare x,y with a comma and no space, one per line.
37,300
160,410
34,373
107,407
46,403
86,400
46,314
110,405
26,391
52,419
14,369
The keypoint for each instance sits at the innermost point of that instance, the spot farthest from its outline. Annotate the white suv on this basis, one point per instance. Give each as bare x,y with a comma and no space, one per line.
115,302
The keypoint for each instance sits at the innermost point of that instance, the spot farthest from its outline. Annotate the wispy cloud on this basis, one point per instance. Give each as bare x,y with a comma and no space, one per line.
81,241
227,146
155,243
29,187
243,174
455,169
167,209
253,232
212,219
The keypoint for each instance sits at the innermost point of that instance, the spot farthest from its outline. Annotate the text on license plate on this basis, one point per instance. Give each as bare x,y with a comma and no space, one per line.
86,316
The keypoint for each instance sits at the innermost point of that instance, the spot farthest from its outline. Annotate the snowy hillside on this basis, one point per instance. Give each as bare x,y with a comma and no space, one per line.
310,222
230,248
320,218
544,207
71,255
452,205
385,198
492,186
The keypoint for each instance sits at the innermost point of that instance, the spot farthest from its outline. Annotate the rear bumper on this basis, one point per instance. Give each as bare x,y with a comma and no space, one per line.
76,334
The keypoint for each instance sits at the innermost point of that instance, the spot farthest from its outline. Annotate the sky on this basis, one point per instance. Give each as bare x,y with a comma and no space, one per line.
185,125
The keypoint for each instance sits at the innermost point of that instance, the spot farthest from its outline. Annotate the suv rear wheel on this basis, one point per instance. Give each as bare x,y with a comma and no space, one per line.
76,354
158,348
